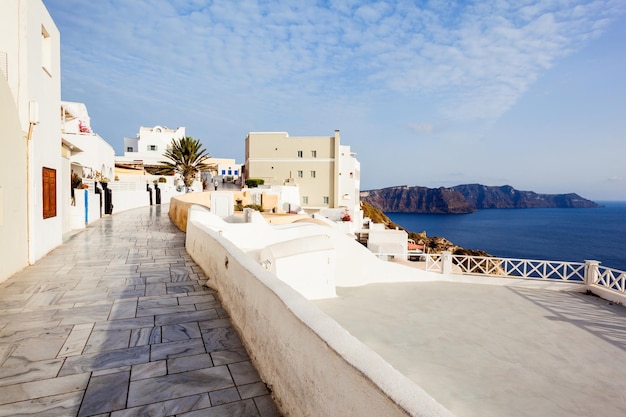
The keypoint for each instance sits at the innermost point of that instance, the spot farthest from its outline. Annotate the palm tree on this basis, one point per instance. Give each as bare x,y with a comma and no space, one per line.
186,157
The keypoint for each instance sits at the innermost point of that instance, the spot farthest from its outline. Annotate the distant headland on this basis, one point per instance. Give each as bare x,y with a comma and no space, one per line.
467,198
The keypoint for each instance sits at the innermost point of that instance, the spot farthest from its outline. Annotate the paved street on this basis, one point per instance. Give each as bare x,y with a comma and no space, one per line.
117,322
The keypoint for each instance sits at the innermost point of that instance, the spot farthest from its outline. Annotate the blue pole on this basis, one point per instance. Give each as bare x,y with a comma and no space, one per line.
86,207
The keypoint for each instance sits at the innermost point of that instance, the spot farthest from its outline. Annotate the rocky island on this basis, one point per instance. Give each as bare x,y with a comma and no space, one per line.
468,198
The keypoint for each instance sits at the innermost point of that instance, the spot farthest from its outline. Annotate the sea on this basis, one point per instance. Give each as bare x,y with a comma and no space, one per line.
558,234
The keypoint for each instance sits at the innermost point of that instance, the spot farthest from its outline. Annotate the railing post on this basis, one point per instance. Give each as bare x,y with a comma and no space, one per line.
446,262
592,272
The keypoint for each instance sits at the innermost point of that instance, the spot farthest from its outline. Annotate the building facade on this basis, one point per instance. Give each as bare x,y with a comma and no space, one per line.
149,145
326,172
31,187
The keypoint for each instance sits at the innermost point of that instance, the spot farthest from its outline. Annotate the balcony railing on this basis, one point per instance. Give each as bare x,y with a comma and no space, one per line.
585,273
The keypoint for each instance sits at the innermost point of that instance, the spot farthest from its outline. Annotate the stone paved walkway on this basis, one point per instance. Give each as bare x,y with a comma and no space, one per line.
116,322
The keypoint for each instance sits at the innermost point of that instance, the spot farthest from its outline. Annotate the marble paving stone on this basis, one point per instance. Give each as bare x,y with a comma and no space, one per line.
43,299
124,324
189,363
156,289
183,331
75,343
33,322
104,360
51,406
105,394
196,299
145,336
224,357
29,371
155,302
103,340
126,292
224,396
266,406
164,310
252,390
221,338
188,317
208,305
177,349
123,309
43,388
214,324
148,370
110,371
178,385
177,288
167,408
243,373
244,408
5,351
45,346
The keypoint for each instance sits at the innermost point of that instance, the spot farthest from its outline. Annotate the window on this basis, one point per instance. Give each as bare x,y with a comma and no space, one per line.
152,147
312,174
237,171
49,182
305,199
299,174
230,172
129,149
223,172
313,154
299,154
326,200
46,51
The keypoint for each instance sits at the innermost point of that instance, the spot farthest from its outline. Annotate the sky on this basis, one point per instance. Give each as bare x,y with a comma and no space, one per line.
527,93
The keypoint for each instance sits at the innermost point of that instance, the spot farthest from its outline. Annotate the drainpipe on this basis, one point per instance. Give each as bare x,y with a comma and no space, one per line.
33,112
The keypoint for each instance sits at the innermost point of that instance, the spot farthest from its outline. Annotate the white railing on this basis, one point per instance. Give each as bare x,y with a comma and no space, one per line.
587,273
520,268
609,278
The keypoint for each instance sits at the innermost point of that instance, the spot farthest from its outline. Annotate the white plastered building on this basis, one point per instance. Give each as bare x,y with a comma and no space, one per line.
35,164
149,145
91,154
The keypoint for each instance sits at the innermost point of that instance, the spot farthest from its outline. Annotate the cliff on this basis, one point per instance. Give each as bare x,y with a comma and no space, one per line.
466,199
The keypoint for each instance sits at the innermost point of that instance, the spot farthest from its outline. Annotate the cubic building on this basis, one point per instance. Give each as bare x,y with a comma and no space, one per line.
327,173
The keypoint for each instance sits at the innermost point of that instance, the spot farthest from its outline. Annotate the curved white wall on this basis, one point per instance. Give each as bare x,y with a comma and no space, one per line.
313,366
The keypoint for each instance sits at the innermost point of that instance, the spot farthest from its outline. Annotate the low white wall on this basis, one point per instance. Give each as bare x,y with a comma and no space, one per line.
313,366
77,212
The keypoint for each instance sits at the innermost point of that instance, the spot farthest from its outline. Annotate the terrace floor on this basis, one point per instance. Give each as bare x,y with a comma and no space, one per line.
117,322
485,350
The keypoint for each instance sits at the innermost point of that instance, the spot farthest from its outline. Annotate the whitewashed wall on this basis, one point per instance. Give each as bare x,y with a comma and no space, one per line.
313,366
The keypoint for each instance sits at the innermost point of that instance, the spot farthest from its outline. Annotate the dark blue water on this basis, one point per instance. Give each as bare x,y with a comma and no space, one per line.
551,234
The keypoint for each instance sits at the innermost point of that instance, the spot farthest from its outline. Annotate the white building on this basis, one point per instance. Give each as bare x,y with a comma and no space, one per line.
91,154
32,172
149,145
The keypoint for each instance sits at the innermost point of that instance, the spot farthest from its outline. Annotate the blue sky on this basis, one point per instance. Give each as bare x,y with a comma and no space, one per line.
432,93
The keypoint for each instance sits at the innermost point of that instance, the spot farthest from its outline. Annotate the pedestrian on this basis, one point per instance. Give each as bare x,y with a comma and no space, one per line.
215,184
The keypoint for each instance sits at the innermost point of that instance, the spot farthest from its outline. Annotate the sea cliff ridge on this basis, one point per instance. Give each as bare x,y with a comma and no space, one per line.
466,198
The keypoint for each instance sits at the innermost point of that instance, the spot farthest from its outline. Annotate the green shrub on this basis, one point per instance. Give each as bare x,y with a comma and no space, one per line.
254,182
256,207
